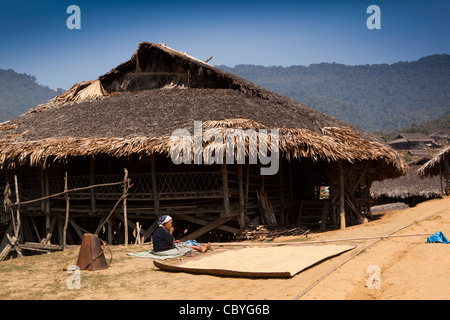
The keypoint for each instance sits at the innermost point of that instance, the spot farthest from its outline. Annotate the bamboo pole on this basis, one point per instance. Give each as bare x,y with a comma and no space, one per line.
66,221
68,191
341,195
18,222
47,201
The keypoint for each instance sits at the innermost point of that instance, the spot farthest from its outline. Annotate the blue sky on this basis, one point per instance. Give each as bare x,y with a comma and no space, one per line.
34,38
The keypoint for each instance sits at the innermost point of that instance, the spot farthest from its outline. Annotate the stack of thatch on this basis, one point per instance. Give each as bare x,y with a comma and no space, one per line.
269,233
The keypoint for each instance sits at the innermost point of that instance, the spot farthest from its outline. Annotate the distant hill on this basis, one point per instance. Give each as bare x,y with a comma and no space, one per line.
373,97
20,92
428,127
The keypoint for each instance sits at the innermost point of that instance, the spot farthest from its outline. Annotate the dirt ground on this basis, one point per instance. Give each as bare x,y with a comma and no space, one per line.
409,267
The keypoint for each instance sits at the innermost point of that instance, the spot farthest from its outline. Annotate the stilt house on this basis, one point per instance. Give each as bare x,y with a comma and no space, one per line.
65,161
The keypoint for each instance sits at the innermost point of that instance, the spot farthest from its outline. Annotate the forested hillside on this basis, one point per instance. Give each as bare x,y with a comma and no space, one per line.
380,97
428,127
373,97
19,93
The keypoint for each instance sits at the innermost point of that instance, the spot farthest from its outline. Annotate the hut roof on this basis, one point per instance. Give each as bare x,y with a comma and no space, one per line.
407,186
134,109
413,137
431,168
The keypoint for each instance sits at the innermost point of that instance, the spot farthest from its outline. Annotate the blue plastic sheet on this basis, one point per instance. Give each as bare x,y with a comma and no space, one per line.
192,242
438,237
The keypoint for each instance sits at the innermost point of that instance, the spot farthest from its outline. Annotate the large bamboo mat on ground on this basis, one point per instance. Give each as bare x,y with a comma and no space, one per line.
258,262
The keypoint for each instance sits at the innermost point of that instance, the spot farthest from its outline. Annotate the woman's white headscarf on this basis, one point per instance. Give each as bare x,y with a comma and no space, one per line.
164,219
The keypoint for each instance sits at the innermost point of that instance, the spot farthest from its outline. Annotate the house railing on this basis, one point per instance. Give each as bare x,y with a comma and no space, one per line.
180,185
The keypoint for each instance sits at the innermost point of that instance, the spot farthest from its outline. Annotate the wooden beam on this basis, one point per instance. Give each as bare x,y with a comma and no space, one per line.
212,225
205,222
150,230
79,230
323,222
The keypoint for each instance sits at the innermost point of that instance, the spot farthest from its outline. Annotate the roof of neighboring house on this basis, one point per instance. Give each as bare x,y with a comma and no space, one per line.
134,108
436,164
407,186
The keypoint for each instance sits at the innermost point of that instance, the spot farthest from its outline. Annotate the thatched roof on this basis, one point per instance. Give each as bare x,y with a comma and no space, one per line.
431,168
410,185
134,108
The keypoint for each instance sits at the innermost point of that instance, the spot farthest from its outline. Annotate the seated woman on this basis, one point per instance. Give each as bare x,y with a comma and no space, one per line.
164,243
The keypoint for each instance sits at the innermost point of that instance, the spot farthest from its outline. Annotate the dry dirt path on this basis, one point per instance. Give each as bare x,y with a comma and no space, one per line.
410,269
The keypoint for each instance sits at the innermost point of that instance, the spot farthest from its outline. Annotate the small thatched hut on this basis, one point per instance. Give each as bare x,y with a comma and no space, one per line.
126,119
439,166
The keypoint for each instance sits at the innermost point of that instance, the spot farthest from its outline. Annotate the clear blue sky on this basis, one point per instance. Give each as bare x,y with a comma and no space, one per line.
34,38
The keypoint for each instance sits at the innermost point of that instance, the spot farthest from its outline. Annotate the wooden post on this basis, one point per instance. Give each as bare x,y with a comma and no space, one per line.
341,195
66,221
154,185
125,191
247,182
226,195
47,202
280,172
42,179
92,182
18,222
110,232
241,197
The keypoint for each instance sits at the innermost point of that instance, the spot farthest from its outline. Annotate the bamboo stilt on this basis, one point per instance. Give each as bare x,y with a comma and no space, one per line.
66,221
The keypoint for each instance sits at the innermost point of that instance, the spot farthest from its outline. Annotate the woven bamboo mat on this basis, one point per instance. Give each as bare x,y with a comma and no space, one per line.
258,262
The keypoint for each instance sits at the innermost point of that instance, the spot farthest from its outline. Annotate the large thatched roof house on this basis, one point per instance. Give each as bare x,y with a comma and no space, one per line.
126,119
439,166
